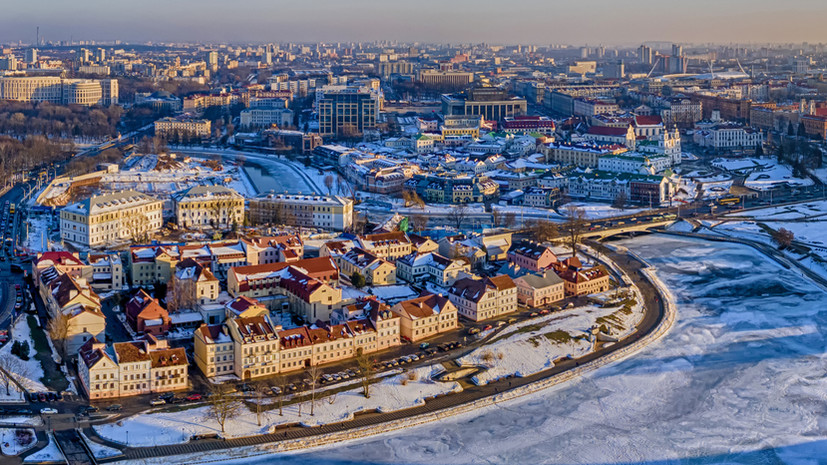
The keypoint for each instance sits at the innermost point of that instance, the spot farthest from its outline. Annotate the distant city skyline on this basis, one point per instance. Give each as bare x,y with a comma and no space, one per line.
590,22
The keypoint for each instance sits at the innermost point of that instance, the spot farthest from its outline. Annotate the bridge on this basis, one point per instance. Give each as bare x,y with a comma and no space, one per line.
631,229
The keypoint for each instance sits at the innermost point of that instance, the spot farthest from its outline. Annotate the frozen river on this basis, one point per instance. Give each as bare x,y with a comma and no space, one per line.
739,379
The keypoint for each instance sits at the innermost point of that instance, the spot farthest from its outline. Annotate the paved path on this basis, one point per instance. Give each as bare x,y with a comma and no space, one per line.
654,306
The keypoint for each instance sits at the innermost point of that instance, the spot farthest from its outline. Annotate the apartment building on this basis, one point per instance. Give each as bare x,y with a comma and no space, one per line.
145,314
257,281
143,366
110,218
535,290
185,127
73,298
376,271
266,117
387,245
580,280
483,299
577,154
531,256
213,350
208,206
309,211
425,316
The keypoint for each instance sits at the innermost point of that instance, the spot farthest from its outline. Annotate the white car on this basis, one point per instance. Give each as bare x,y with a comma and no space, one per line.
47,411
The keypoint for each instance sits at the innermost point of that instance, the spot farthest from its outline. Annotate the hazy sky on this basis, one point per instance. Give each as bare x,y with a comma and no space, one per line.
503,21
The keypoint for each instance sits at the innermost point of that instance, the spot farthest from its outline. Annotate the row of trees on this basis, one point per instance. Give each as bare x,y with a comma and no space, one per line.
223,405
18,155
22,119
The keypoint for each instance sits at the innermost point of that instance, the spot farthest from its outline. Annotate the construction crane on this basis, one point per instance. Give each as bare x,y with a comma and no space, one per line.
653,68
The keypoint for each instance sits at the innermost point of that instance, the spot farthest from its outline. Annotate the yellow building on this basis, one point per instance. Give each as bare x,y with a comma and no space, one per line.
208,206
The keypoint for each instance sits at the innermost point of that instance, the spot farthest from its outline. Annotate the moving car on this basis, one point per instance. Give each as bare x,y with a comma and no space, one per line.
48,411
157,402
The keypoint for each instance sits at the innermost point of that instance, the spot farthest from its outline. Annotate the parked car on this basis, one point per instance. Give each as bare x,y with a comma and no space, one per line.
473,330
90,409
544,311
424,345
166,396
275,390
157,402
344,375
414,357
176,400
487,327
246,388
198,437
193,397
292,387
114,408
48,411
41,396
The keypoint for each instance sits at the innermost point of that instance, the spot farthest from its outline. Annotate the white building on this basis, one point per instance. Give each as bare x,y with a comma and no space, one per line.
729,136
266,117
110,218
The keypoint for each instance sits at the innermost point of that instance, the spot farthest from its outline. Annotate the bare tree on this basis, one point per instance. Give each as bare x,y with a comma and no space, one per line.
543,230
329,180
496,217
510,219
458,214
9,367
221,405
783,237
181,294
574,226
261,390
368,370
59,333
136,225
419,222
313,373
281,383
620,201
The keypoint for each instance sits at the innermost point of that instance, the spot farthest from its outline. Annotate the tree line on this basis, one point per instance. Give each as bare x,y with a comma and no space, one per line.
21,119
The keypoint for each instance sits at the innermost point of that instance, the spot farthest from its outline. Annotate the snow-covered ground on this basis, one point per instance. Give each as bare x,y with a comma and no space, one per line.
48,454
37,239
534,345
398,392
787,212
739,379
27,372
12,444
597,211
99,450
762,173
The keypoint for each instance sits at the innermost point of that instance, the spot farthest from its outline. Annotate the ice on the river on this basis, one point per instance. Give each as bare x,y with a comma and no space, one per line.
739,379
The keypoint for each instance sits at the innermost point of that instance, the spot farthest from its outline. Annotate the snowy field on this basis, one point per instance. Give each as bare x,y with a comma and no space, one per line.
37,239
12,444
28,372
398,392
534,345
739,379
787,212
48,454
597,211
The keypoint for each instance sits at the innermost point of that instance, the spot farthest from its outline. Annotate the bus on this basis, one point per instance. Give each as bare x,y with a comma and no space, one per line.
729,201
11,208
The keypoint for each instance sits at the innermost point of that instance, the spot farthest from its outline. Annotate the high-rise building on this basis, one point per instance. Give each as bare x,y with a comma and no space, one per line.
212,59
645,54
347,111
614,70
100,55
31,55
677,50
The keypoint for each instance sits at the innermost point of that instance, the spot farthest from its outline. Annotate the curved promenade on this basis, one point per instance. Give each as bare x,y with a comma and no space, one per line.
658,319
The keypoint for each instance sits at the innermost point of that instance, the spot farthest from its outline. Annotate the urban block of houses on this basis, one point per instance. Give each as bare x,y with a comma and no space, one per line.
72,301
252,347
